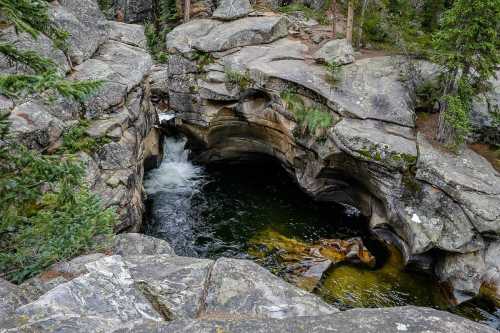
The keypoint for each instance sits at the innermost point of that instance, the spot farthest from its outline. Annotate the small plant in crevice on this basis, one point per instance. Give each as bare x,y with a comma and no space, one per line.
235,78
334,70
75,139
203,59
156,43
312,120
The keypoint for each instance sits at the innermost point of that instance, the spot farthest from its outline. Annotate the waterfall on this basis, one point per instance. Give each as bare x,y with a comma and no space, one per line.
176,173
171,189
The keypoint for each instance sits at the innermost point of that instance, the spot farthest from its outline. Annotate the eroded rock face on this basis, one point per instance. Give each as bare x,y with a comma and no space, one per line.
235,104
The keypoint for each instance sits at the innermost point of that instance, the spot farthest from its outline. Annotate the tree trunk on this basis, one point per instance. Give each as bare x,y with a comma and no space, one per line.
187,10
361,21
350,21
334,19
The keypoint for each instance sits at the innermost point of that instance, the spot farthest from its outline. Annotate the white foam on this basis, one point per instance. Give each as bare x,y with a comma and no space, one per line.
176,173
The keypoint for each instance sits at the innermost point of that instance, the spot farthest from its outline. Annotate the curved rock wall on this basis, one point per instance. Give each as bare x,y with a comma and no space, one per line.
227,91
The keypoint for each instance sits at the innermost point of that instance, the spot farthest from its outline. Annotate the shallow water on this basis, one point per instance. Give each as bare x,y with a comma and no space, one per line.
245,211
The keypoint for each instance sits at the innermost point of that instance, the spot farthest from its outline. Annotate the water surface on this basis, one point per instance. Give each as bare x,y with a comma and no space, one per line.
239,210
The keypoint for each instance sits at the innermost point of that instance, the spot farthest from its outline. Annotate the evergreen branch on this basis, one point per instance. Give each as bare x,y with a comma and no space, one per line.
29,58
13,85
32,16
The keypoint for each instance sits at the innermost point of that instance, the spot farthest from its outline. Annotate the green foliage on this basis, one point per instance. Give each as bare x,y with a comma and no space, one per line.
47,214
76,139
334,70
203,59
457,116
235,78
309,13
156,41
32,16
168,11
105,5
468,47
313,120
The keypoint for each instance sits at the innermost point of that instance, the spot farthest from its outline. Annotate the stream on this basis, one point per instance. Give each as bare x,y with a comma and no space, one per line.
253,211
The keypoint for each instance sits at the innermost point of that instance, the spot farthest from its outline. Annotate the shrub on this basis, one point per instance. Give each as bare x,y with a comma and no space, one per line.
311,120
76,139
334,69
47,213
235,78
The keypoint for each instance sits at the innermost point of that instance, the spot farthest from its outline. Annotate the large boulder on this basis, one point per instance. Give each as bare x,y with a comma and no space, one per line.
103,300
133,244
232,9
214,36
244,289
86,25
132,34
338,51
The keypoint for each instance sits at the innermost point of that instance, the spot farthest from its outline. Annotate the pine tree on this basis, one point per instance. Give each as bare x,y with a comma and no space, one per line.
467,45
47,213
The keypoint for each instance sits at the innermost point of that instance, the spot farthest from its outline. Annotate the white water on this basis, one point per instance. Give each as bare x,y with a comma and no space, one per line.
176,173
172,188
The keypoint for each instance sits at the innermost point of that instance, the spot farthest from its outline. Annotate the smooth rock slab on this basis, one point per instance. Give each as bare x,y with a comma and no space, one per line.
232,9
241,288
100,301
243,32
388,320
429,218
367,89
176,284
468,178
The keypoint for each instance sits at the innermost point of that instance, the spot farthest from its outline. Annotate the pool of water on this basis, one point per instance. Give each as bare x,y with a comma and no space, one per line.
254,211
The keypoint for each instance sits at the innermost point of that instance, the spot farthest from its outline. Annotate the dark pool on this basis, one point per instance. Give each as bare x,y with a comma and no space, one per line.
247,211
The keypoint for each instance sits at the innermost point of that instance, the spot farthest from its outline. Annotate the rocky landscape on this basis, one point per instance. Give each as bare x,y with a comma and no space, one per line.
238,84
